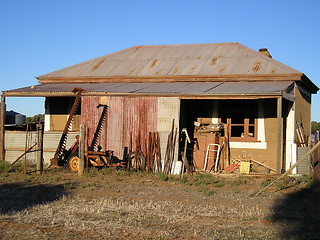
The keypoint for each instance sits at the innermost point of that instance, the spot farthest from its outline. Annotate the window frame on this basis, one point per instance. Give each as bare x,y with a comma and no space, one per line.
246,126
247,109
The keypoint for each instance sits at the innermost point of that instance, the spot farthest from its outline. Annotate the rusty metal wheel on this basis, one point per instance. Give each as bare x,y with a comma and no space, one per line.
73,162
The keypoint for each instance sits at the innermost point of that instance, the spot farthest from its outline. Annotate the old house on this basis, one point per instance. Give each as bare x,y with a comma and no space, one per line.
265,105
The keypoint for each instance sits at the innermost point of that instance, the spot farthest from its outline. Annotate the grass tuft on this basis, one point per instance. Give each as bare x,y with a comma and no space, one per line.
163,176
206,191
92,172
240,180
5,167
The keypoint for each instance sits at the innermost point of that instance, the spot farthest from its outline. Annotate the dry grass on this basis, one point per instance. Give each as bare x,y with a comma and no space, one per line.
122,205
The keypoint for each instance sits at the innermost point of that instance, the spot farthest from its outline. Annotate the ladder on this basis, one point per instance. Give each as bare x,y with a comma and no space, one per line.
215,148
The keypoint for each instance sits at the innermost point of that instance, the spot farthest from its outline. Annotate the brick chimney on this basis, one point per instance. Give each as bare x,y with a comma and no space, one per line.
265,51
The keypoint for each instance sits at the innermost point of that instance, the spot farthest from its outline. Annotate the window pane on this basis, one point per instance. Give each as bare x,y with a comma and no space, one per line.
237,131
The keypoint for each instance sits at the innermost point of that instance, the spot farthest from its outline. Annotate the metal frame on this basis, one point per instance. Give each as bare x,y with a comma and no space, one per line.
207,156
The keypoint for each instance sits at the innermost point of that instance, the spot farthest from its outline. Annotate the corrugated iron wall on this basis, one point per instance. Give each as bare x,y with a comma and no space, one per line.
15,142
305,166
115,125
127,118
91,114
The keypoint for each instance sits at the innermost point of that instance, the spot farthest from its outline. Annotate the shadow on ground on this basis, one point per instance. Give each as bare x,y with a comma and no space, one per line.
298,213
19,196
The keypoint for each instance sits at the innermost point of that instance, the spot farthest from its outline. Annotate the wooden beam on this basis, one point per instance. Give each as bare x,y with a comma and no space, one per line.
39,154
2,128
279,156
174,78
82,150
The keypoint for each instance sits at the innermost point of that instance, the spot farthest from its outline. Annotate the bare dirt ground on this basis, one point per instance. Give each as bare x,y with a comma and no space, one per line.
133,205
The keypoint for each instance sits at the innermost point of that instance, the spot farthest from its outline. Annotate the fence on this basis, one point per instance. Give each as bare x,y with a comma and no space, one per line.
16,143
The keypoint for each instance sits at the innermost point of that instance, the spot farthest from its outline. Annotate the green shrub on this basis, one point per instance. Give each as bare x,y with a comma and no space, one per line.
279,186
163,176
308,179
205,179
5,167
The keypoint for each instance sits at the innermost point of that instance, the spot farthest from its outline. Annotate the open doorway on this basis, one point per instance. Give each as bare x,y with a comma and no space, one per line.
194,114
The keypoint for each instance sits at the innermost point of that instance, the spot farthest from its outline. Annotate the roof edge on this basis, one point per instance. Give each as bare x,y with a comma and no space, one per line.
309,84
180,78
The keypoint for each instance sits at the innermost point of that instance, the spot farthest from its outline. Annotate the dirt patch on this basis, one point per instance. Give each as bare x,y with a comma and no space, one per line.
132,205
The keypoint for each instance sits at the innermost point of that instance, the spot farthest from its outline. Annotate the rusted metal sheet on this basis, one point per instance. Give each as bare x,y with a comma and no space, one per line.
126,116
114,128
173,60
141,118
128,68
158,67
101,68
91,114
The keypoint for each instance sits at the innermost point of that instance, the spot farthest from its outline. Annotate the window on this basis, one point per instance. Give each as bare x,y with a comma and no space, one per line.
241,117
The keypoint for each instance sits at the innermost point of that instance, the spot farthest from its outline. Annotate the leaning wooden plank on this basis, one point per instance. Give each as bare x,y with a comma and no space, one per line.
300,134
292,167
263,165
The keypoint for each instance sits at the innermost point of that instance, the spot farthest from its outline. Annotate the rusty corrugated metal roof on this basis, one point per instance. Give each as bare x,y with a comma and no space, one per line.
178,89
217,59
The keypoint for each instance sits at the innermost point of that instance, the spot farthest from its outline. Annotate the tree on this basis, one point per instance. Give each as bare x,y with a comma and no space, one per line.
35,118
315,126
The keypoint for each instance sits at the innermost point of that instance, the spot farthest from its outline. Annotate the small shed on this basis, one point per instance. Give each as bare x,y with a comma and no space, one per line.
14,118
264,105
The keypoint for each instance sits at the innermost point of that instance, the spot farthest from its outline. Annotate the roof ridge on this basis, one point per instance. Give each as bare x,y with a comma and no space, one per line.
186,44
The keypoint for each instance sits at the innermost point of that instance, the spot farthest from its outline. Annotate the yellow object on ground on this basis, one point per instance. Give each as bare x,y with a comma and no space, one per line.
245,167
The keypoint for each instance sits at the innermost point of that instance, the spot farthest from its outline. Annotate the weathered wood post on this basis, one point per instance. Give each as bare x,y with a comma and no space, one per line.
39,152
279,136
2,128
81,150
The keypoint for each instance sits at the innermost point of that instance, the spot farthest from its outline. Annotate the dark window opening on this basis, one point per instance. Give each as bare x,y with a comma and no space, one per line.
241,118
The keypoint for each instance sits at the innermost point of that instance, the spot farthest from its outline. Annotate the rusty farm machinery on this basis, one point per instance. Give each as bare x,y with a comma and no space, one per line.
94,156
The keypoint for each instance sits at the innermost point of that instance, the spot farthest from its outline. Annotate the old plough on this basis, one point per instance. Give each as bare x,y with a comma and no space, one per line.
94,156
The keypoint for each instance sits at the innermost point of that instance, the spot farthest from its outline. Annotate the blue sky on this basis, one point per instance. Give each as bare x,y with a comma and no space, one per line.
40,36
